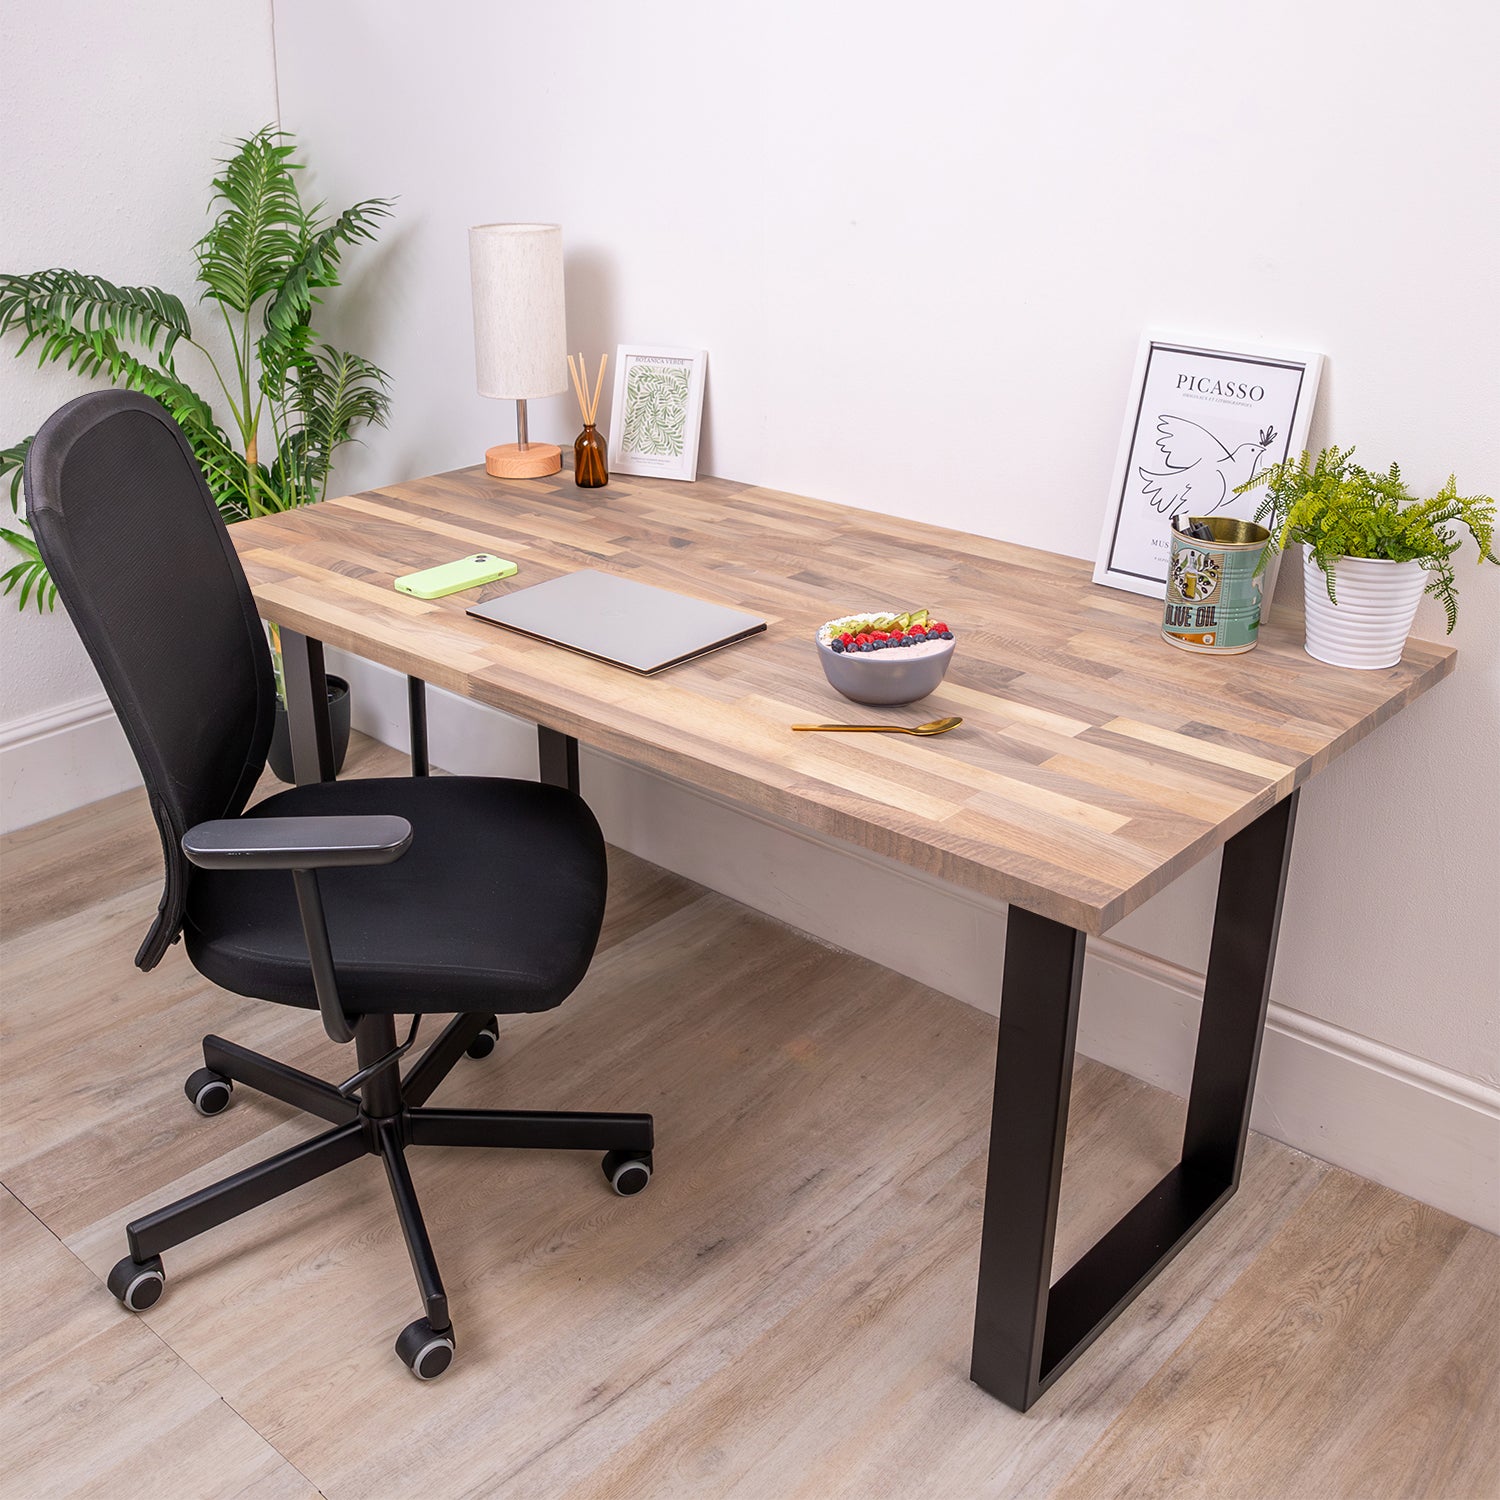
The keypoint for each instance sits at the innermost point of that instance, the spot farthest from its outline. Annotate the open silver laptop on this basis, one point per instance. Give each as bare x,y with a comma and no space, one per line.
618,620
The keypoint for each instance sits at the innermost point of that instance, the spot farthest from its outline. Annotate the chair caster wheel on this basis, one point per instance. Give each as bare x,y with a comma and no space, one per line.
627,1172
423,1351
137,1283
208,1091
486,1041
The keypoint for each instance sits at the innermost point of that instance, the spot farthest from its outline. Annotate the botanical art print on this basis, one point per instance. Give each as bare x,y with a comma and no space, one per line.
656,398
1201,423
658,408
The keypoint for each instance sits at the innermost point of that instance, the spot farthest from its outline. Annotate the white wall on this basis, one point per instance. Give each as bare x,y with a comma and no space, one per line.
111,119
920,245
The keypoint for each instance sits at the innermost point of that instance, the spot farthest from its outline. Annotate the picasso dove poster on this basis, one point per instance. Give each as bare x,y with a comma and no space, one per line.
1200,422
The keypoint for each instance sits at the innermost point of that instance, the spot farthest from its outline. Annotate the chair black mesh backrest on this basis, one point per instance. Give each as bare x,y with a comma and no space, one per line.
143,563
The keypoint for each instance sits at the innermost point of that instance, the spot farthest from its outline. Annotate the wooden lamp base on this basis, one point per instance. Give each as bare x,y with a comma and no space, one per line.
512,461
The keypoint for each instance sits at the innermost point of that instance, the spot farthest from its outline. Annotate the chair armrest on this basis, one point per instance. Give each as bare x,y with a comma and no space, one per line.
304,846
296,843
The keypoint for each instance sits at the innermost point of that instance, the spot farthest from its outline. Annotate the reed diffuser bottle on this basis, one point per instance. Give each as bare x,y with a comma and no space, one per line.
590,469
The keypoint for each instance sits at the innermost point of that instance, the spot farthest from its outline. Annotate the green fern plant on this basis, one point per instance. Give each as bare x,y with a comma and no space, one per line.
292,399
1341,510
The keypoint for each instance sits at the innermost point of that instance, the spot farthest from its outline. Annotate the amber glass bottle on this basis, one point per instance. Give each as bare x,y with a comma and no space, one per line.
590,471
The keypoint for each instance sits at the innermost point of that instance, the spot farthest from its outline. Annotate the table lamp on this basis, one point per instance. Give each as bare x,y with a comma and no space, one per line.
520,334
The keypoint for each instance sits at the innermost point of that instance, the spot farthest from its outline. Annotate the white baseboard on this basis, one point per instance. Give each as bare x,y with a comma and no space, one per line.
1350,1100
64,758
1390,1116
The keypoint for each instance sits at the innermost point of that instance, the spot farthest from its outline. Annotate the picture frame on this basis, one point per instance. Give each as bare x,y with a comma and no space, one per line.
1201,420
657,416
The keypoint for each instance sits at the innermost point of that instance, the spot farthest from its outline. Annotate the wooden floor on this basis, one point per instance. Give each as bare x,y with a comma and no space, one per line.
784,1313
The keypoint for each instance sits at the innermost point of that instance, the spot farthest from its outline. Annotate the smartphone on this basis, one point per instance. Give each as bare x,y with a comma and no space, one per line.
451,578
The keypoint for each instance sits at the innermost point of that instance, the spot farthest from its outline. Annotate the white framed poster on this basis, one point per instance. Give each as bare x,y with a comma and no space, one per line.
1201,421
658,411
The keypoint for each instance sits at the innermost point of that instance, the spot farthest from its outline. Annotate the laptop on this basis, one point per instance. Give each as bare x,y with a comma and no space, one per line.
618,620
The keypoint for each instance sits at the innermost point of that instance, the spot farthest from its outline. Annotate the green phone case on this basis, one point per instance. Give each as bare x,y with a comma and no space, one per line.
452,578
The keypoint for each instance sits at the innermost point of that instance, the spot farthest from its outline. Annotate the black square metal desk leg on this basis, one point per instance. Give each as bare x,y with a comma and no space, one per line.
1028,1331
416,708
1043,977
308,723
557,758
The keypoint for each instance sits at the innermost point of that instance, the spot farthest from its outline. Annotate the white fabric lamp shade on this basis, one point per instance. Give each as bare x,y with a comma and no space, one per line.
520,332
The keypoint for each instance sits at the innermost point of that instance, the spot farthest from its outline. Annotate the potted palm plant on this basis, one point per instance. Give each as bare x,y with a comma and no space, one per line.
292,399
1368,545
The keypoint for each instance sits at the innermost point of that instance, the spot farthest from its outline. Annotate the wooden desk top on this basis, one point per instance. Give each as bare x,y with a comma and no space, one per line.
1095,764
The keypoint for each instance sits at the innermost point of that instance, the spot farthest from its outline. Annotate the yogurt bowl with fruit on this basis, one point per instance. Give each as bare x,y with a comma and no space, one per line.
882,657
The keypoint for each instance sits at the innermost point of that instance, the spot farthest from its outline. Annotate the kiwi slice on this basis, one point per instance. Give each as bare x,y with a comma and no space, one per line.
864,624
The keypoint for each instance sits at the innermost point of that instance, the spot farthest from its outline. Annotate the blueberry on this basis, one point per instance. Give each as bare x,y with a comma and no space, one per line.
836,646
947,635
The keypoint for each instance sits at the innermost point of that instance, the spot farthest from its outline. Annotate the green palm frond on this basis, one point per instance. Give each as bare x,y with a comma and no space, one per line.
30,575
261,226
317,261
340,391
162,383
13,462
335,392
282,352
57,305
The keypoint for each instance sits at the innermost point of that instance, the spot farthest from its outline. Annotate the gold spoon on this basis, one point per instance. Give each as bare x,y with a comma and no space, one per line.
936,726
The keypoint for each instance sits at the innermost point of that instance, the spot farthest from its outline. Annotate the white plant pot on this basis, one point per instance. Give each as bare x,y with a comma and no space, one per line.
1377,601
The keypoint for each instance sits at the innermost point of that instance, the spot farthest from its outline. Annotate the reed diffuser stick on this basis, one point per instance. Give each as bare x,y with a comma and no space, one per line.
580,384
598,386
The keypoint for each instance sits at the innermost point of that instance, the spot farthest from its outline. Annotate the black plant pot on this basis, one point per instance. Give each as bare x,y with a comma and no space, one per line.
281,737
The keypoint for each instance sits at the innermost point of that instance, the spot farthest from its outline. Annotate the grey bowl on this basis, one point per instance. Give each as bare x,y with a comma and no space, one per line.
885,677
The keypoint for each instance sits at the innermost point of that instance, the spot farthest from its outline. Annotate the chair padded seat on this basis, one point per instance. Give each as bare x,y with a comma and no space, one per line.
496,906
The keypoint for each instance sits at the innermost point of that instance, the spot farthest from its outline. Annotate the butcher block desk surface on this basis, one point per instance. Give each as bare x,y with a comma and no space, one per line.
1095,763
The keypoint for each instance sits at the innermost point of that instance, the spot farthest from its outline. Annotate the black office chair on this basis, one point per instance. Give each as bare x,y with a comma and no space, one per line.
364,900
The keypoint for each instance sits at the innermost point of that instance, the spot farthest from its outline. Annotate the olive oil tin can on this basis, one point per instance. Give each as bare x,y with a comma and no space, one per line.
1213,586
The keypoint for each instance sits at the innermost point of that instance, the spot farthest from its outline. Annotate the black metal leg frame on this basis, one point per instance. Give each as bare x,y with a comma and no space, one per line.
1027,1331
308,724
557,758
